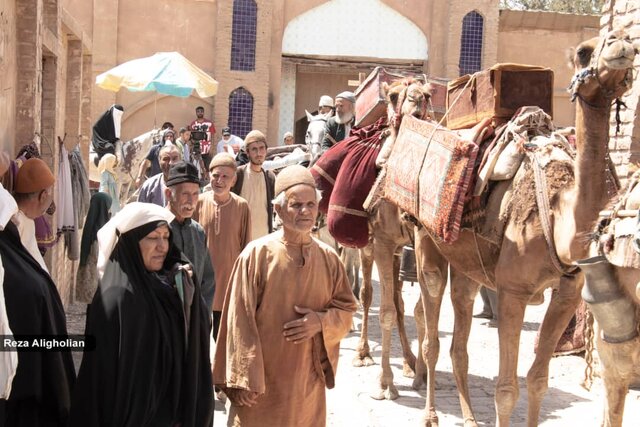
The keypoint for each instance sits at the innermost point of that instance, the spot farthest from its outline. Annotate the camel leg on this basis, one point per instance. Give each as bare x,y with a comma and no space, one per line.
420,377
616,389
363,356
432,274
409,363
463,294
383,254
511,309
562,306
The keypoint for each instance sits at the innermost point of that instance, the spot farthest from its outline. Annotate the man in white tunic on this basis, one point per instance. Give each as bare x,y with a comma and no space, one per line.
255,185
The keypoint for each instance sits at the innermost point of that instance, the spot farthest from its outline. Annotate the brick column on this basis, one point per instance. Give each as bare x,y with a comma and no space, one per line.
625,145
74,92
29,69
85,108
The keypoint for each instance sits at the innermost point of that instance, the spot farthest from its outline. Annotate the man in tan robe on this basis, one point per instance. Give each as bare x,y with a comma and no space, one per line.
226,220
288,306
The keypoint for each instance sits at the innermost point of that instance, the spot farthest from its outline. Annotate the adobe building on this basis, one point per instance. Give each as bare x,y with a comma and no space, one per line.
46,78
272,58
275,58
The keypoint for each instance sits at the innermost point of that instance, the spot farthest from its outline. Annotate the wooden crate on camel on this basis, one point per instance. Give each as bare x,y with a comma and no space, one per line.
496,94
428,174
371,103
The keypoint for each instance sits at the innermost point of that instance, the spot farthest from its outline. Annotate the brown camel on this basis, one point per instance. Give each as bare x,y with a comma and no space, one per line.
617,316
523,263
389,232
620,362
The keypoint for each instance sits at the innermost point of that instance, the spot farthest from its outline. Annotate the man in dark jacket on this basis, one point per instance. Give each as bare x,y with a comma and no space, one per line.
338,126
255,185
183,189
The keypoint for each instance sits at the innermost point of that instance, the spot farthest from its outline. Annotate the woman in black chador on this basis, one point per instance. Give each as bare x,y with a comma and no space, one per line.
151,363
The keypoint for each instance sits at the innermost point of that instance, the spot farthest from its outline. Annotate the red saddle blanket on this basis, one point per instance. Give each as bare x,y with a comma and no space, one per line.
325,170
428,173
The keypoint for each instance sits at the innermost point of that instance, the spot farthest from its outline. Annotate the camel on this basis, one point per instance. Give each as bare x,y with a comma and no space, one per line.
389,232
523,263
617,317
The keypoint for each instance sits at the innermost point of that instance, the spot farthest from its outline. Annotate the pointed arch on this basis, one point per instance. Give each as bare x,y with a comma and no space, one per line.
381,32
471,43
240,112
243,35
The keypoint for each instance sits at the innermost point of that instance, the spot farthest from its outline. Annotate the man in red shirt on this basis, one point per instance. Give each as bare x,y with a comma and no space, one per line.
206,125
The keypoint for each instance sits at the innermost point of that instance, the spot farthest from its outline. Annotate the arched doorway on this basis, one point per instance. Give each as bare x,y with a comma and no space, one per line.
322,51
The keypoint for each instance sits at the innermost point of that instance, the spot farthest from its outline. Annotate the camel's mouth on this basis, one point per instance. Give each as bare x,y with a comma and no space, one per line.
621,62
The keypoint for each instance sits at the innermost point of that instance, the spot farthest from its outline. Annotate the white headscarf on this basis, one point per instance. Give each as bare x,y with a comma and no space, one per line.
131,216
8,207
107,163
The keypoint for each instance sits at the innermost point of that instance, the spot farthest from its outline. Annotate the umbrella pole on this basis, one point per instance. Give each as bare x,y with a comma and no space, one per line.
155,109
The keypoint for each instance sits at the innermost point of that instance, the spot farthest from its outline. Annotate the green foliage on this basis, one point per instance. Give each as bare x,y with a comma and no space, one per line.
569,6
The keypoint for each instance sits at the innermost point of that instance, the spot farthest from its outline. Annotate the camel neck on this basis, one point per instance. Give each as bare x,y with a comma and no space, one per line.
592,141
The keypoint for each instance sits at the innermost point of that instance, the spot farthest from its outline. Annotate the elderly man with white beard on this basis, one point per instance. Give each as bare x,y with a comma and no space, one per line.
338,126
182,192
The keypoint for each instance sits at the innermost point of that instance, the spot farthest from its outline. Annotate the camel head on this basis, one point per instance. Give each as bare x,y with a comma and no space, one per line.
407,97
603,68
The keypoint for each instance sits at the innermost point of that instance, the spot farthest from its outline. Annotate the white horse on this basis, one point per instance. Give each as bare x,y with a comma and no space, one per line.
315,134
129,154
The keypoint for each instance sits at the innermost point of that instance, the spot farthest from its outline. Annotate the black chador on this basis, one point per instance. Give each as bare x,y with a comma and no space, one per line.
41,390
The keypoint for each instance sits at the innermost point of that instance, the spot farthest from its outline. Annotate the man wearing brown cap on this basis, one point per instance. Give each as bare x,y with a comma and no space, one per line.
41,389
34,194
288,307
183,189
226,220
255,185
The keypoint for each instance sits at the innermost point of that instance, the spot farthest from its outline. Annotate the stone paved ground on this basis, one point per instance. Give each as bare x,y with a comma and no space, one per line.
566,404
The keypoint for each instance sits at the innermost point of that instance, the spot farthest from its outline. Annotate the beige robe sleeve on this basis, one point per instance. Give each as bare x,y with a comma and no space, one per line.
336,322
238,360
246,217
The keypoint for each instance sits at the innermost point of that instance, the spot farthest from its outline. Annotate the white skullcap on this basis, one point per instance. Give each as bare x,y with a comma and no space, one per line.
325,101
131,216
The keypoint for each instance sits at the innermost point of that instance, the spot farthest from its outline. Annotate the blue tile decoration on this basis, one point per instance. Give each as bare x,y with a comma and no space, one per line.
471,43
243,35
240,112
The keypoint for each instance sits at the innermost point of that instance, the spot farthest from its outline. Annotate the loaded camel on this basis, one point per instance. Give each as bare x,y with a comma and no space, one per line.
389,231
523,262
617,316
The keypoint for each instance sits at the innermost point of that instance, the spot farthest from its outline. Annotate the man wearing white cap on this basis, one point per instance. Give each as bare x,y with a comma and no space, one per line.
338,126
325,105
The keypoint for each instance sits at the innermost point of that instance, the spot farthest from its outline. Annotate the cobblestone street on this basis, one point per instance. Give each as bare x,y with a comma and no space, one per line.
566,403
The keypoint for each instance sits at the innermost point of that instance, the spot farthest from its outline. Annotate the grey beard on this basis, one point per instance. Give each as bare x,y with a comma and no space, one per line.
343,118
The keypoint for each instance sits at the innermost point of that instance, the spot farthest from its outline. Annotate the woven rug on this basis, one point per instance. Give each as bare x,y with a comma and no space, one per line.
428,174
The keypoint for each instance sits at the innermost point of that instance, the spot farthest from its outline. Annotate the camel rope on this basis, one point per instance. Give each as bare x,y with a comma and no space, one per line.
589,347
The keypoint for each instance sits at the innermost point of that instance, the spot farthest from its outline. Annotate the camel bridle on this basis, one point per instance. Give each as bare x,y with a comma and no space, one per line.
402,96
592,71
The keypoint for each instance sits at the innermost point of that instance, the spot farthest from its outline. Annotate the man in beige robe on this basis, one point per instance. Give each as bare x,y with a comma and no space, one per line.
226,220
288,306
255,185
